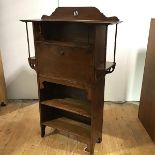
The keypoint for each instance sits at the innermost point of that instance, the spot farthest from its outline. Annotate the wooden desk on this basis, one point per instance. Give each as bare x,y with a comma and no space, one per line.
70,61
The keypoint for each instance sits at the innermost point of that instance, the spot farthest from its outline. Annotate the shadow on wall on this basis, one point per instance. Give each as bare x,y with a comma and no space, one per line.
138,75
22,85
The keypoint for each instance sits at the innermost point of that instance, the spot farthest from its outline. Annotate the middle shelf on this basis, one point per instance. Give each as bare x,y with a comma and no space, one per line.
76,106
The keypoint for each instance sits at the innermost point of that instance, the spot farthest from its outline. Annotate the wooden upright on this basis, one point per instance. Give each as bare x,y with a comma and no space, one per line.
70,61
2,85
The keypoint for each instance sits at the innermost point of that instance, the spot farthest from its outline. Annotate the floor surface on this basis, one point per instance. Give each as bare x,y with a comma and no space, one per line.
123,133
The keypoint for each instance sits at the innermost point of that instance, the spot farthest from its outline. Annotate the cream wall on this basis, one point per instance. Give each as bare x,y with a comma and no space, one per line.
20,79
124,84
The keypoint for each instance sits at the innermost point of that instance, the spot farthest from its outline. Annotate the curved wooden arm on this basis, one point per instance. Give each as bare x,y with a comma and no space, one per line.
32,62
109,68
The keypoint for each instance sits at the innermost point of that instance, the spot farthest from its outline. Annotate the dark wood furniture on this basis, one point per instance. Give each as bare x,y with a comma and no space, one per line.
147,100
70,60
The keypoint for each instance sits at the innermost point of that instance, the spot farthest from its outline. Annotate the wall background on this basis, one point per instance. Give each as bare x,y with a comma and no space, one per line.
124,84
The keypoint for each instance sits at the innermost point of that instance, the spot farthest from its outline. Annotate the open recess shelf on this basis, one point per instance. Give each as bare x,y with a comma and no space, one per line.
79,131
72,105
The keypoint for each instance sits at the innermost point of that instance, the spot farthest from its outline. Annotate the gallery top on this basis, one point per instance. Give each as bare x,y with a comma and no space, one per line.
77,14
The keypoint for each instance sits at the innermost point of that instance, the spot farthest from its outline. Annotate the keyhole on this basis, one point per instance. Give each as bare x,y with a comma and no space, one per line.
61,52
76,13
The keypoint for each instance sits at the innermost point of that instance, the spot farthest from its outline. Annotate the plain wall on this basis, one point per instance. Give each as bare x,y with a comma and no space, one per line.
21,80
124,84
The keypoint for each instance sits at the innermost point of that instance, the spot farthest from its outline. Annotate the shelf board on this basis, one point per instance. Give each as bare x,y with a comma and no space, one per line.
67,43
72,105
78,130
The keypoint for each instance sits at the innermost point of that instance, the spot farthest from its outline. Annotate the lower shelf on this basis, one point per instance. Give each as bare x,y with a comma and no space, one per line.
76,130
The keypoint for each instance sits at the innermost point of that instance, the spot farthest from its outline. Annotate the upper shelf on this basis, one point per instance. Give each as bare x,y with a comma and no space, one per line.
77,14
71,105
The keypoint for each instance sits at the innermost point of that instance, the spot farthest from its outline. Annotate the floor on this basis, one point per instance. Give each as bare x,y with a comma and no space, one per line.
123,134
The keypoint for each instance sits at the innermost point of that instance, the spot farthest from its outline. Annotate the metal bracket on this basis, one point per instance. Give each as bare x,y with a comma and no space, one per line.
32,62
111,69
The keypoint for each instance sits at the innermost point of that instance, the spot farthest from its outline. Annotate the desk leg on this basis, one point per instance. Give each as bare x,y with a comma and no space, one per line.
3,104
43,130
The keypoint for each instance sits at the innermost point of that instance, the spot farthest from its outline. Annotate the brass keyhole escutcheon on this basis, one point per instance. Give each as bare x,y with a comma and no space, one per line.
75,13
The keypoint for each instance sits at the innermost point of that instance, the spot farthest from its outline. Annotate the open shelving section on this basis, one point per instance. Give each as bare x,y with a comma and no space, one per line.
72,105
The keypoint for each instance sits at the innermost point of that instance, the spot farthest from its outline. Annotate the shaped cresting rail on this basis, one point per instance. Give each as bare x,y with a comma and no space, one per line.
109,69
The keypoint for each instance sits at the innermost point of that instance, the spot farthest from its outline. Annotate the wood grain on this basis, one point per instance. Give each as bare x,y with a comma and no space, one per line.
122,134
75,106
79,13
64,62
77,130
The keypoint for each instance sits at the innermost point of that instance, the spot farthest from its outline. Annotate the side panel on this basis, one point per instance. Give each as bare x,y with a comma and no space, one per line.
147,100
97,90
100,49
